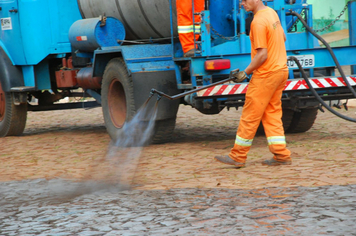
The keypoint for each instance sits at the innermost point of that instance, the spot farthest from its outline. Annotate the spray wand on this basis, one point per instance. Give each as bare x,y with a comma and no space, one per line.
232,77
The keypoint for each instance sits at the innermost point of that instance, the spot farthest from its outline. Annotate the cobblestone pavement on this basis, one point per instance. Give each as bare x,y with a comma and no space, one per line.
59,207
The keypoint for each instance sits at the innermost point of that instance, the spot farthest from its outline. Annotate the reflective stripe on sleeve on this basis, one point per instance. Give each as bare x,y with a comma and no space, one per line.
243,142
276,140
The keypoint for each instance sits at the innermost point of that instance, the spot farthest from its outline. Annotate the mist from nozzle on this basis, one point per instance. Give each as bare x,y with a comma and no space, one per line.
138,131
124,153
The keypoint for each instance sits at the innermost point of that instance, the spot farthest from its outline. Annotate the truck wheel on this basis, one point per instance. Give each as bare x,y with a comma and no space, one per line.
117,97
119,105
287,118
302,121
12,117
164,130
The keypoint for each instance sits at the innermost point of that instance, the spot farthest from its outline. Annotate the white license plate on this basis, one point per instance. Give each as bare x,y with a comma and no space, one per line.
304,60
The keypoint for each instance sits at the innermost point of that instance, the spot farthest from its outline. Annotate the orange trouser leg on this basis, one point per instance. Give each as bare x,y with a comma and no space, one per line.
272,123
185,22
261,104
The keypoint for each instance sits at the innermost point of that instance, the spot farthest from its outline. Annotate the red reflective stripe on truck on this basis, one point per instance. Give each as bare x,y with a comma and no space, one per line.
296,84
332,83
207,92
342,81
318,83
221,90
233,90
305,84
245,90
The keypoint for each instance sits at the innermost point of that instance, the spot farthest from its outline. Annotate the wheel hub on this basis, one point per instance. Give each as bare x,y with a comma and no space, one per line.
117,103
2,103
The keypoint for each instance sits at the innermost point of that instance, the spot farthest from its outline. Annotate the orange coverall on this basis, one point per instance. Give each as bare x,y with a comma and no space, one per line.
264,93
185,22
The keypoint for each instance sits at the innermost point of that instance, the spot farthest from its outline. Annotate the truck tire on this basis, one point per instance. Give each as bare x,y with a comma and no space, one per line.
287,118
12,117
119,105
164,130
302,121
117,97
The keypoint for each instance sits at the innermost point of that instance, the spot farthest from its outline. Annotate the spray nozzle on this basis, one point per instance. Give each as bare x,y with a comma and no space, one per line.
153,91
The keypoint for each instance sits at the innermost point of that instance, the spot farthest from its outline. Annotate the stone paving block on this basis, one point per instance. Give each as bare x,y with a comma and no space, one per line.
101,228
57,231
9,228
69,226
169,223
144,219
90,233
130,224
332,214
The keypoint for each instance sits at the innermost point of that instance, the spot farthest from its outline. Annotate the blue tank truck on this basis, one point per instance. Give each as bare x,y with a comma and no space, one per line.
118,50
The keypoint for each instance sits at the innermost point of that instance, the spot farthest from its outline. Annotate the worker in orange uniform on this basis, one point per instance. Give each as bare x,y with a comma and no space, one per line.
264,93
185,24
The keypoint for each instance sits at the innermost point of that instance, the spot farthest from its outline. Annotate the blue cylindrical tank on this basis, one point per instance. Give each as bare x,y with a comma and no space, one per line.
142,19
88,35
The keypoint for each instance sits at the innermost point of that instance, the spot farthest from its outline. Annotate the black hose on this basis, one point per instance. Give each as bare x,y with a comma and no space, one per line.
316,94
328,47
207,5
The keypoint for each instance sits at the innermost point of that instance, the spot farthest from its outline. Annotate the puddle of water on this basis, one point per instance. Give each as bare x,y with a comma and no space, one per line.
51,191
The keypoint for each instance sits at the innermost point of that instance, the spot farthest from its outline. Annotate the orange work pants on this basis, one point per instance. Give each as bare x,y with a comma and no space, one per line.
185,22
263,103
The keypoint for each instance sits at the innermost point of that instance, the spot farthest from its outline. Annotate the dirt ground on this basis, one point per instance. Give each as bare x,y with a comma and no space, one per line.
73,144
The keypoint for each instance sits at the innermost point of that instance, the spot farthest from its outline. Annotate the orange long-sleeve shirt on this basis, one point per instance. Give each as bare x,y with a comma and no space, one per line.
267,32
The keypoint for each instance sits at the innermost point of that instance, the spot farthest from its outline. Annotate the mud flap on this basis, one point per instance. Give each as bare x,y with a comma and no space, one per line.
10,75
164,81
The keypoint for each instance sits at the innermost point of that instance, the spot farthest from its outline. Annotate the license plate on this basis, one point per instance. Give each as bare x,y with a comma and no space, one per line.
304,60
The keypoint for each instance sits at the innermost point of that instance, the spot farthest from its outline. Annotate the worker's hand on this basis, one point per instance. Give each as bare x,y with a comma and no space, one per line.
239,77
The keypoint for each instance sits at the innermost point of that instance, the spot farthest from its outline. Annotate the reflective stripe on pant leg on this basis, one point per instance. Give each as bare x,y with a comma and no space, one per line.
243,142
199,6
276,140
185,29
186,36
255,104
277,145
272,118
241,147
185,24
185,21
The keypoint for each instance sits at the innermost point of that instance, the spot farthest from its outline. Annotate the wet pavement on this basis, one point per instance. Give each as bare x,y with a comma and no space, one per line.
59,207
